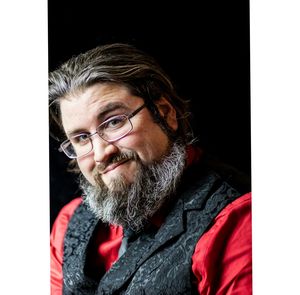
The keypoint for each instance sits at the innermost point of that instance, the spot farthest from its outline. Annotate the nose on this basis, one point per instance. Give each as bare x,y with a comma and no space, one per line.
102,149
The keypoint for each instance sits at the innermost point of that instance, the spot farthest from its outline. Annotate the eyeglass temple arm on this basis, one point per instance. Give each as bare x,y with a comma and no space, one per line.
136,111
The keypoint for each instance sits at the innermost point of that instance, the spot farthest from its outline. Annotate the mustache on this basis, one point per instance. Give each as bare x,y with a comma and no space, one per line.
122,156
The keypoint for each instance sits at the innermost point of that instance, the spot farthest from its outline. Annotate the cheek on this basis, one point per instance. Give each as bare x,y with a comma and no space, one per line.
149,145
86,167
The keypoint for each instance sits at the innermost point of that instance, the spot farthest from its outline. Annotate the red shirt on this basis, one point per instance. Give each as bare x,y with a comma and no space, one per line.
222,261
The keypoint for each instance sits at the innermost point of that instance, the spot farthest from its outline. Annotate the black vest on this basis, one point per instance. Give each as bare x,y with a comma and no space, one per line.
159,260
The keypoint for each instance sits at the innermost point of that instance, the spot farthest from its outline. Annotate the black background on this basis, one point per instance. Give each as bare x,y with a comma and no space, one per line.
204,47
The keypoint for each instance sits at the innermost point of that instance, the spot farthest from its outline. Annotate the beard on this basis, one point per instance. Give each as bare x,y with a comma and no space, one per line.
133,204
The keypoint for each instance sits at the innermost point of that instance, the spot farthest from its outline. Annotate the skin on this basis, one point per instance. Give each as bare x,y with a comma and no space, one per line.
85,110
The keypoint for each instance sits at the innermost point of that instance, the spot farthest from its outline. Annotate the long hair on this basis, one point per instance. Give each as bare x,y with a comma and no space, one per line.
121,64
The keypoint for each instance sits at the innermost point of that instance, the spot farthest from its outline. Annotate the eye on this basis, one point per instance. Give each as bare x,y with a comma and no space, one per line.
80,139
115,122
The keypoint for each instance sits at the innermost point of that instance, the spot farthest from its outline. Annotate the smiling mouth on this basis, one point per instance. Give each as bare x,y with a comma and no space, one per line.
114,165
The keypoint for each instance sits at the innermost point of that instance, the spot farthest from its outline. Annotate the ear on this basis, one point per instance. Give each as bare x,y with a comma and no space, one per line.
168,112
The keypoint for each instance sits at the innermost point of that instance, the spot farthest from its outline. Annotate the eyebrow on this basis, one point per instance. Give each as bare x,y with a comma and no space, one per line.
112,106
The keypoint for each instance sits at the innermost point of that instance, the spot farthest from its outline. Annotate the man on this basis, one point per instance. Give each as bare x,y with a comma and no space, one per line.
157,215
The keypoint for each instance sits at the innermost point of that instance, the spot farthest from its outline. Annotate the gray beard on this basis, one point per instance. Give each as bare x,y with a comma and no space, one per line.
132,205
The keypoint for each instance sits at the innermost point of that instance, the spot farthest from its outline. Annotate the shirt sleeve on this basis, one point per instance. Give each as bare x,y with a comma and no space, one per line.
222,261
56,245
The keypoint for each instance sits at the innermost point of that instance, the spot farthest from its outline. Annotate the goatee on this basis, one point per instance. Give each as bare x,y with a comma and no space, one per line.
132,205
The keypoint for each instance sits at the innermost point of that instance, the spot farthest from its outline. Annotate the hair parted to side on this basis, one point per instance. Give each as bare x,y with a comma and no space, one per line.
121,64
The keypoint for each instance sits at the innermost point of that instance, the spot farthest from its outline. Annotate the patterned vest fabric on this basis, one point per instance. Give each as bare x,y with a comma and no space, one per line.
159,260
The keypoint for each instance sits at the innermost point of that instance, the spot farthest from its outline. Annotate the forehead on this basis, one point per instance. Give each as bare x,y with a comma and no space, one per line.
88,105
96,94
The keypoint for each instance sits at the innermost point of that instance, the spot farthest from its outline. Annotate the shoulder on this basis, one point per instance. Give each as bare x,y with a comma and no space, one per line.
56,244
67,211
61,223
227,244
233,219
238,208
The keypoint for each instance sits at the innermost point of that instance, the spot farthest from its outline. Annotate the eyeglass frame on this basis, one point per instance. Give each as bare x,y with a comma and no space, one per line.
128,117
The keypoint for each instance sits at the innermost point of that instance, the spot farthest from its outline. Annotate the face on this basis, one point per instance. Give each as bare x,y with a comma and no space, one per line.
86,110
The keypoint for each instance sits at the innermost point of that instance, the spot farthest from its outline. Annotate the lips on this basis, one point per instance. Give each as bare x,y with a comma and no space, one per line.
114,165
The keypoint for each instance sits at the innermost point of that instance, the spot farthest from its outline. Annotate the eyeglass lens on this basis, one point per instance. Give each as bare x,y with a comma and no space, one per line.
110,130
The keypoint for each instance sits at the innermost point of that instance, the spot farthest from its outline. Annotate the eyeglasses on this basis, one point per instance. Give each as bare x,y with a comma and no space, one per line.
110,130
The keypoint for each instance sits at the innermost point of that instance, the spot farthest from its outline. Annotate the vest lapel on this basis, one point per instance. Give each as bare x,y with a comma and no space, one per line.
137,253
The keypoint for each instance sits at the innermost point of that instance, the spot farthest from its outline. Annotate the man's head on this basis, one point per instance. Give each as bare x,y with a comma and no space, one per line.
126,127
